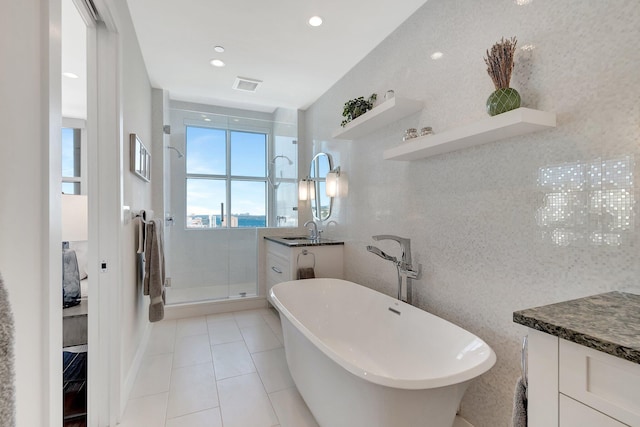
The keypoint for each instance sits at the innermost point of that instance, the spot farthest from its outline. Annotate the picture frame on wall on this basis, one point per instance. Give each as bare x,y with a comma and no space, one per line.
140,158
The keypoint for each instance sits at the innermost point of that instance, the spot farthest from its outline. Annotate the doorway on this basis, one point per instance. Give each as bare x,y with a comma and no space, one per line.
74,217
91,379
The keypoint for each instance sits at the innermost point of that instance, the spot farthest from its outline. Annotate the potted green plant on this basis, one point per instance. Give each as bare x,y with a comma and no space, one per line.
357,107
499,66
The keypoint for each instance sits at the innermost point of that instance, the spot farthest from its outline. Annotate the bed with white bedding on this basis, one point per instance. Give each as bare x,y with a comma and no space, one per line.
74,327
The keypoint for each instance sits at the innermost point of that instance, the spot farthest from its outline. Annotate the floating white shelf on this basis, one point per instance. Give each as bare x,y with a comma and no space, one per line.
506,125
381,115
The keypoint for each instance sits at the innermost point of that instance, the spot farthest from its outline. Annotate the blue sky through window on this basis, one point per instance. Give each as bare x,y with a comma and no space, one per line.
206,155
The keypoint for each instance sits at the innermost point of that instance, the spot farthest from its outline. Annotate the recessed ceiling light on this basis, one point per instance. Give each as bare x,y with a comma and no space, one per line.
219,49
315,21
522,2
71,75
217,63
436,55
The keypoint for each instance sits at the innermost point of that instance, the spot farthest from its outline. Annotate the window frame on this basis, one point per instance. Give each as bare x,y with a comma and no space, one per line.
81,125
228,178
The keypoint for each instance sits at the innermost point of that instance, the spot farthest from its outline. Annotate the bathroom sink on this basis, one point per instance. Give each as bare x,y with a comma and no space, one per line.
298,238
292,241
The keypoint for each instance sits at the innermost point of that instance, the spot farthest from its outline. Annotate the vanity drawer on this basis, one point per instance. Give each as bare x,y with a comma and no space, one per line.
607,383
575,414
278,249
278,269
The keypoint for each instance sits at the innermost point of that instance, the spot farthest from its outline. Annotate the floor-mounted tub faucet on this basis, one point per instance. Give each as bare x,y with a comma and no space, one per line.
406,271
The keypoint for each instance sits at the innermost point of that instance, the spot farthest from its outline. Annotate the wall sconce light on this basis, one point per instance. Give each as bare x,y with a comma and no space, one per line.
306,189
336,183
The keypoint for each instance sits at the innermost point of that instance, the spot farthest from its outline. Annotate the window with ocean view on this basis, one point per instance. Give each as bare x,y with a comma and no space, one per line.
226,178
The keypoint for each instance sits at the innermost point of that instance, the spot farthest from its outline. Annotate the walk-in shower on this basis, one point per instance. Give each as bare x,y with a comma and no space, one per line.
235,171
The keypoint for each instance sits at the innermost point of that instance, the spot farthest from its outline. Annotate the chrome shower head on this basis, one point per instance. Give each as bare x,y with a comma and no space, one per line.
180,155
282,156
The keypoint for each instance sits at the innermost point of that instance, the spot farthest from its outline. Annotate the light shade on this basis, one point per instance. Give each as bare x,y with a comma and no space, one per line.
306,189
332,183
337,185
75,218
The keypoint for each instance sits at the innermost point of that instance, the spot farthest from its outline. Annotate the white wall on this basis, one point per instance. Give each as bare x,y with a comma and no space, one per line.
137,193
24,207
26,211
471,214
161,161
285,176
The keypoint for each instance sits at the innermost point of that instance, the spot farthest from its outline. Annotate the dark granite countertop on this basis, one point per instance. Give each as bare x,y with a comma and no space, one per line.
298,241
607,322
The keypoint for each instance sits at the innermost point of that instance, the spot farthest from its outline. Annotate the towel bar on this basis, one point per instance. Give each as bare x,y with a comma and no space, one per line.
144,215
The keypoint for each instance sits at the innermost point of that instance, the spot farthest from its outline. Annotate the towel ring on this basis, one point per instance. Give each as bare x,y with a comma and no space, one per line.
306,252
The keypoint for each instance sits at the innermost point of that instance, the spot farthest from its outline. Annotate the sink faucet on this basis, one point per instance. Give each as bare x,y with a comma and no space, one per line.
406,271
314,234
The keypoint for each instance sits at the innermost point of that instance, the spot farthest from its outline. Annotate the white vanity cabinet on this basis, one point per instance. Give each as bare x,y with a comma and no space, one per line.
584,361
282,262
571,385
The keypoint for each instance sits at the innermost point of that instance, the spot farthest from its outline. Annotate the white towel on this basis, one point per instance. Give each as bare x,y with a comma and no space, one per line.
520,404
137,222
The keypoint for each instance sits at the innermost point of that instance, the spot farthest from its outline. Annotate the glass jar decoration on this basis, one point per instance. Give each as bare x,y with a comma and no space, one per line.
428,130
389,95
410,134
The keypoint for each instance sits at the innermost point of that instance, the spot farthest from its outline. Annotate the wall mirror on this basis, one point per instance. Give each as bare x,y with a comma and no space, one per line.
321,204
140,158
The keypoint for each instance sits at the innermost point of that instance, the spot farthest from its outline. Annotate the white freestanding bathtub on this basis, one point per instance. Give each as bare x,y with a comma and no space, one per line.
363,359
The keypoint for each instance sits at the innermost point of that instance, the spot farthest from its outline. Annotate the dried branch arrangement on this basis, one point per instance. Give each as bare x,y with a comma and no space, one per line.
500,62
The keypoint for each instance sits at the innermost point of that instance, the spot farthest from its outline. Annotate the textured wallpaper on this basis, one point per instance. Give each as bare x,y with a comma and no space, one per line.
512,224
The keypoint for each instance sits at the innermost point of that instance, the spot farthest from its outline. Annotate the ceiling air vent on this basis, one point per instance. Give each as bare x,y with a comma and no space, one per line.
246,84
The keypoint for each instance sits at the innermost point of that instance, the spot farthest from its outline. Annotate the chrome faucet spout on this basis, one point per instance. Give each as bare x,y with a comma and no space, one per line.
313,231
405,245
381,254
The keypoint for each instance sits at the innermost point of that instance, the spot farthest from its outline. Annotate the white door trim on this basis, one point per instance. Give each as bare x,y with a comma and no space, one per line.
104,175
105,220
52,185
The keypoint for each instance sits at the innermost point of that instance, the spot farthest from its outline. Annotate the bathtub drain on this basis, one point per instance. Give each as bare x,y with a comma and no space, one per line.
394,311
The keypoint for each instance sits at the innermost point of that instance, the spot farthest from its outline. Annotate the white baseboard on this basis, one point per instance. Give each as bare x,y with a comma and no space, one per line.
202,308
461,422
130,379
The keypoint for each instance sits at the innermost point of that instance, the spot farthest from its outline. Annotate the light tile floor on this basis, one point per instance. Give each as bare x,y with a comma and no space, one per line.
222,370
